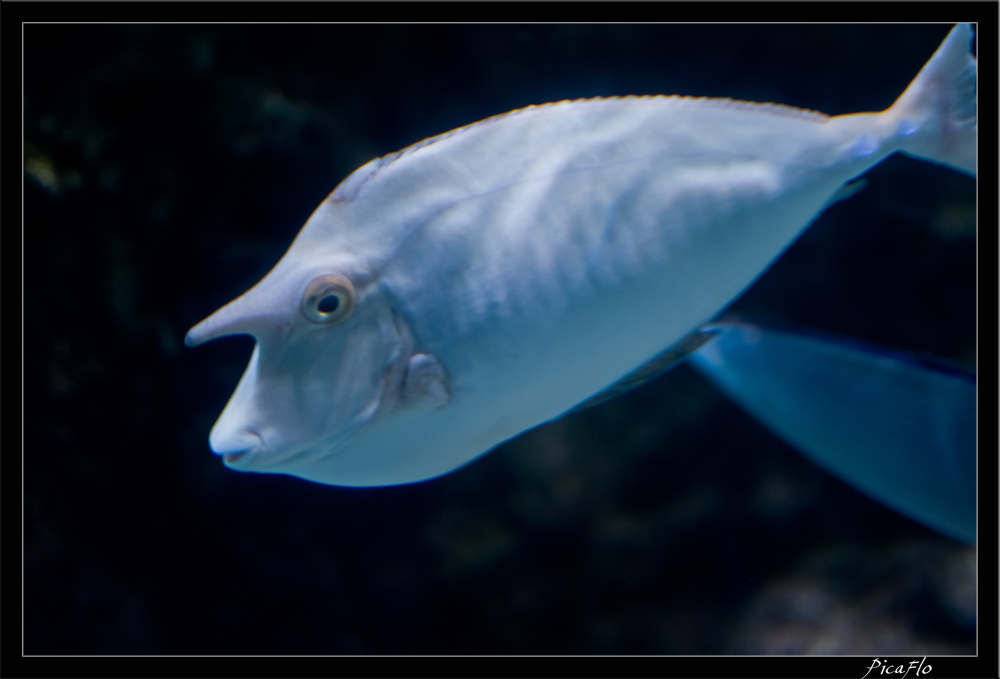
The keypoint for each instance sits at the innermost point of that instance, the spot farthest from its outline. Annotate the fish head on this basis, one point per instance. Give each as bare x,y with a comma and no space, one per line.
330,358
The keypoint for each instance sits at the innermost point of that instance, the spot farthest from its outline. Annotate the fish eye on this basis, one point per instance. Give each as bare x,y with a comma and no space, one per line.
328,299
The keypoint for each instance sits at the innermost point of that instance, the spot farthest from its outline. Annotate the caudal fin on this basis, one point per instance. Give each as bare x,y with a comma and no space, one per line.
938,110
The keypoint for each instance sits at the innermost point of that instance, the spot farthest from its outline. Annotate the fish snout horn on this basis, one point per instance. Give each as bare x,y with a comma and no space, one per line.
251,314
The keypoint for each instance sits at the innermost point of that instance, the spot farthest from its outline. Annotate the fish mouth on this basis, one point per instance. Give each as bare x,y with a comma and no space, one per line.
240,460
261,458
245,448
240,450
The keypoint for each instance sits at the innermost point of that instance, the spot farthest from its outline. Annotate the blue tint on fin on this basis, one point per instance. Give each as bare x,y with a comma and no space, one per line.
907,128
900,429
864,146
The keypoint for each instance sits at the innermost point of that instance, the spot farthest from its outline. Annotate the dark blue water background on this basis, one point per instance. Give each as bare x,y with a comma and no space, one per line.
169,167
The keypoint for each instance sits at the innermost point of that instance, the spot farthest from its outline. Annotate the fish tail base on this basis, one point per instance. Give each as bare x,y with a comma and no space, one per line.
936,116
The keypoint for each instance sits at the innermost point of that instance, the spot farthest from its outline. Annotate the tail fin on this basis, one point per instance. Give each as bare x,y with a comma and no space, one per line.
938,110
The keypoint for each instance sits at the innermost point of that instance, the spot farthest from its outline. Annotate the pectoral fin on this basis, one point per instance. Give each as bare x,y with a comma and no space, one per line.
900,429
426,378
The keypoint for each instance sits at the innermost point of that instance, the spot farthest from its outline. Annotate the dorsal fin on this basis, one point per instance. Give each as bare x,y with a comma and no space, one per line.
350,186
653,368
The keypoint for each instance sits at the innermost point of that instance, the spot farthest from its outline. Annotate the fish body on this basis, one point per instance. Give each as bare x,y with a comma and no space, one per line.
445,298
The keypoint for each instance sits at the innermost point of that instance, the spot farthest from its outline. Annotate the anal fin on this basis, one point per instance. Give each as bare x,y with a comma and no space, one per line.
659,364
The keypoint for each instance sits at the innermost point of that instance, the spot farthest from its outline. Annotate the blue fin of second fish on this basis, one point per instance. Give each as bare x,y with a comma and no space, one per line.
899,428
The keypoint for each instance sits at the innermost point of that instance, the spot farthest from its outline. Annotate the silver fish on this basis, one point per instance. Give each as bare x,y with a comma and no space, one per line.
447,297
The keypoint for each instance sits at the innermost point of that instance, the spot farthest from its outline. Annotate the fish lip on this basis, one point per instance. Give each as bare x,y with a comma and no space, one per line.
230,458
240,460
233,458
261,458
